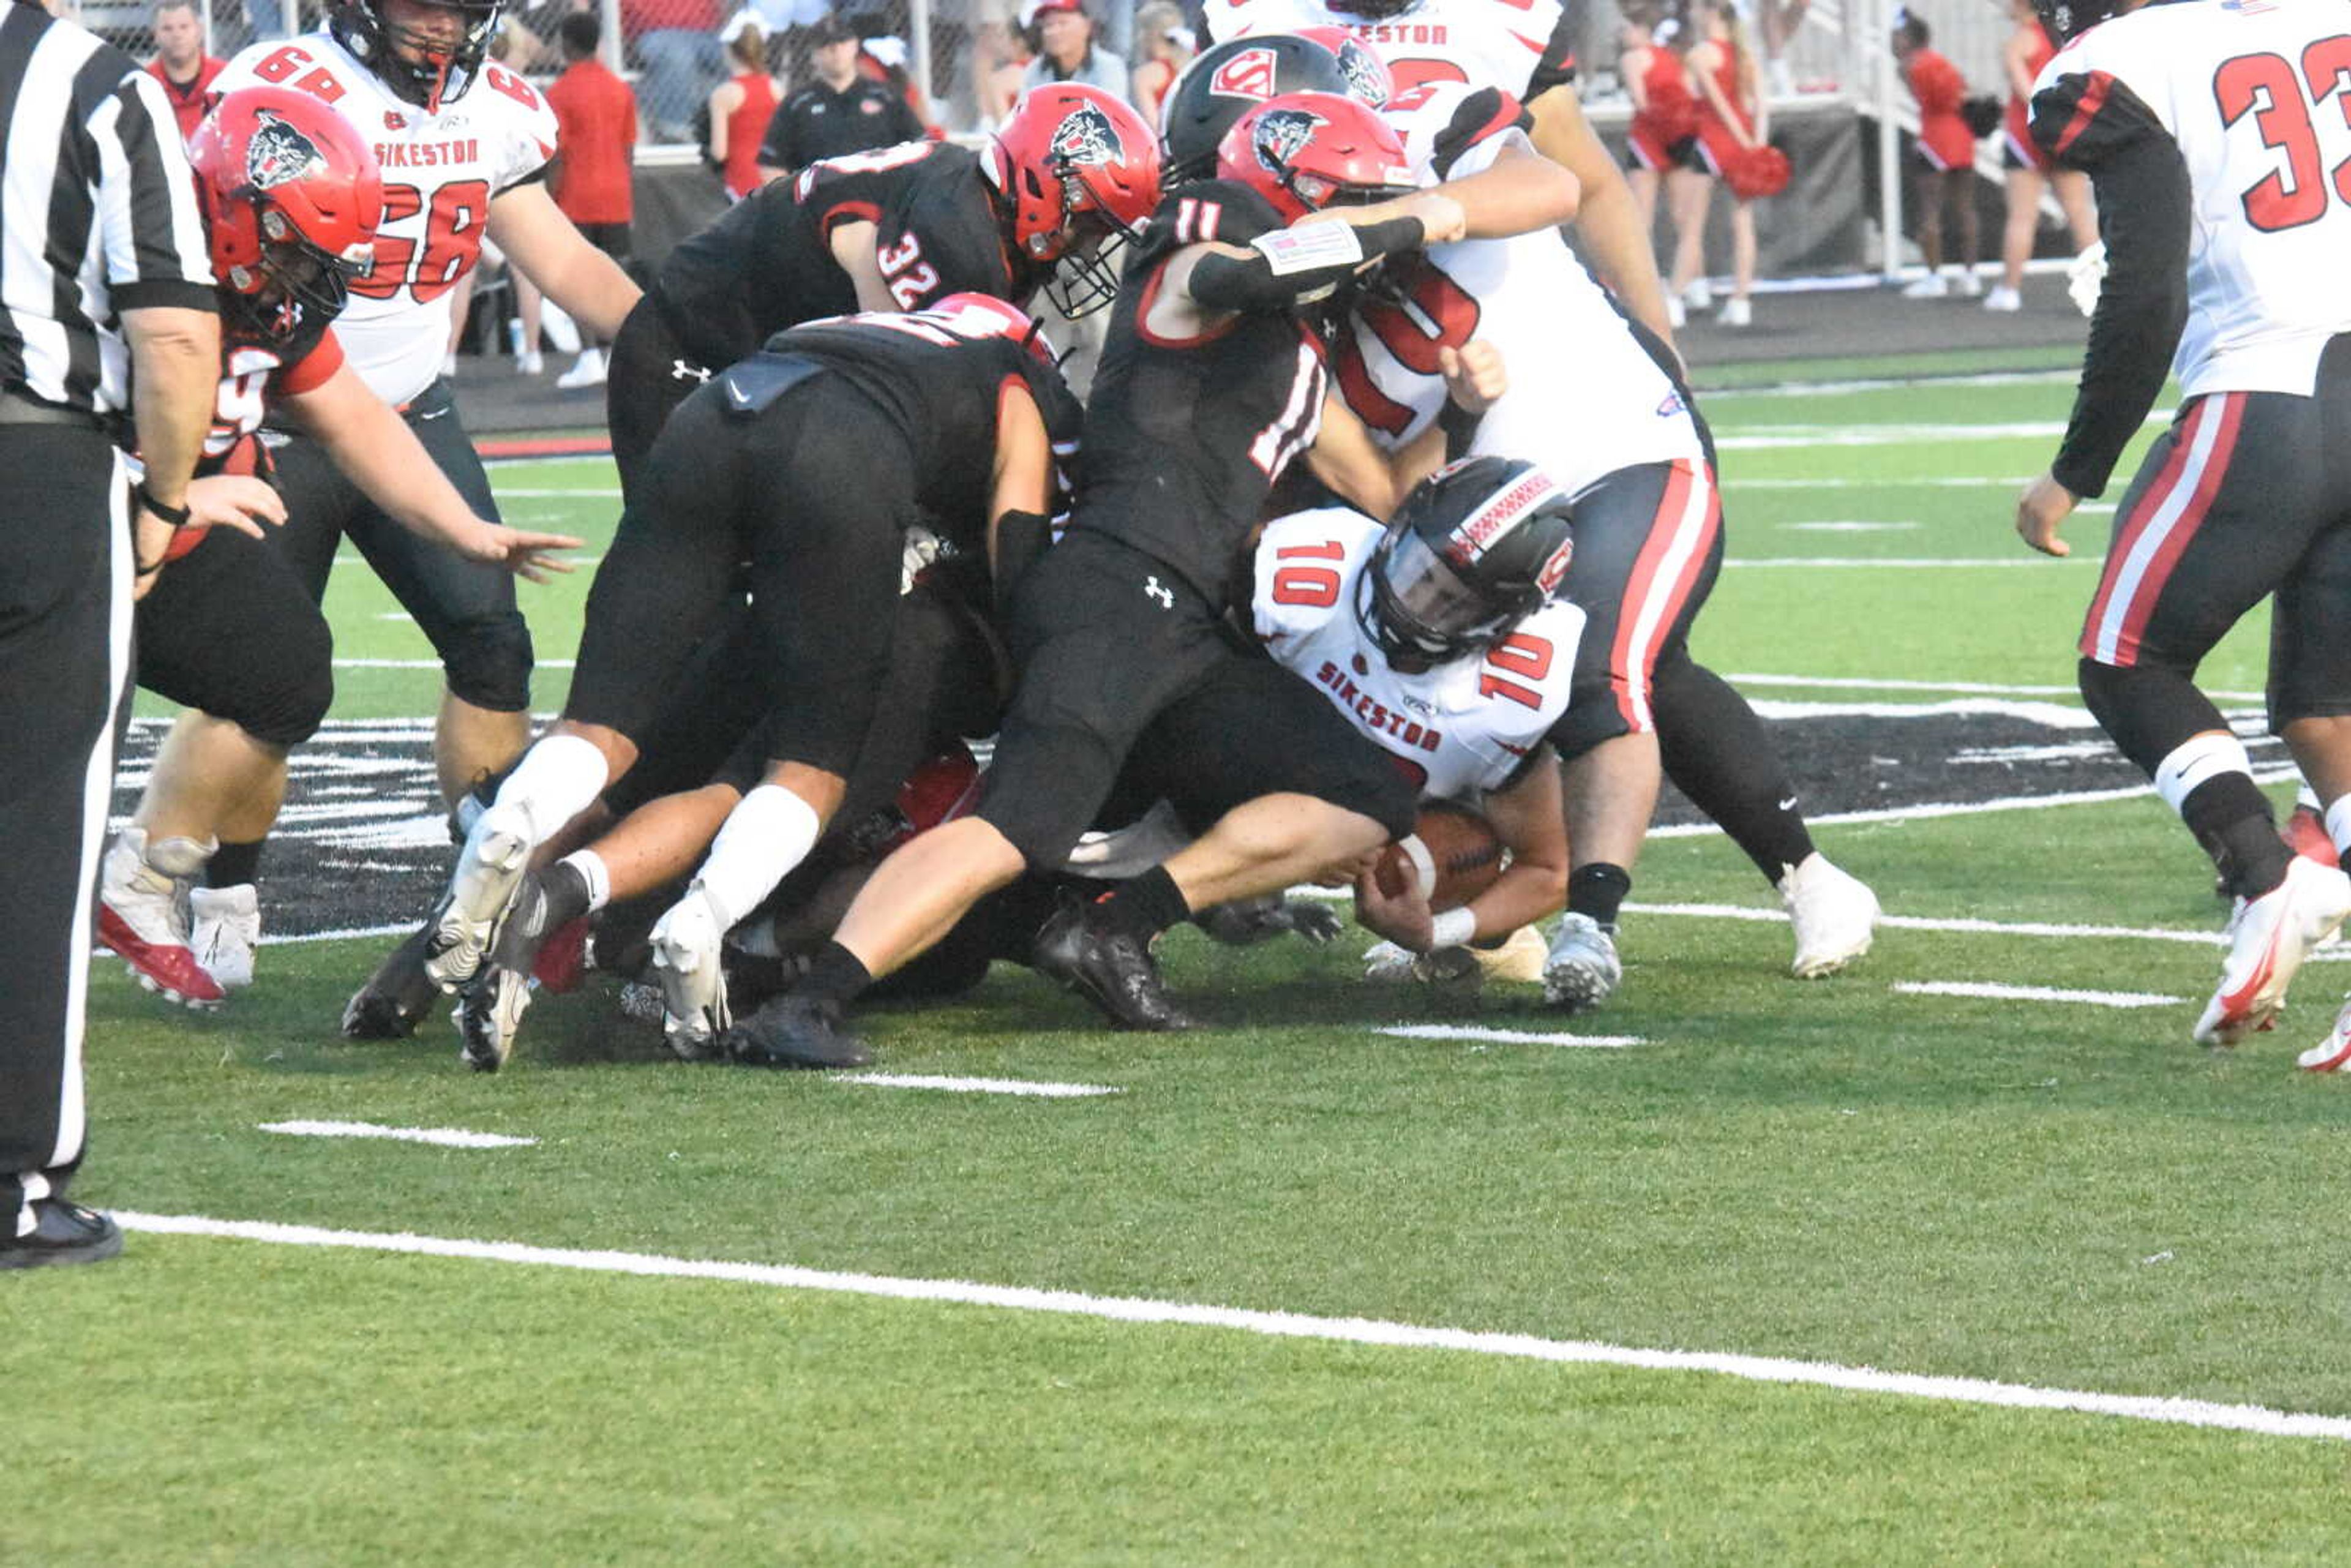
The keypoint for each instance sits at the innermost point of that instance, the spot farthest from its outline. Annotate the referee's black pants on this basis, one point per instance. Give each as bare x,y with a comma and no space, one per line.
65,668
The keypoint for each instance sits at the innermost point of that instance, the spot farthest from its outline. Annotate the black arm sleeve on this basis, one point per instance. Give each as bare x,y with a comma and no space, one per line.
1221,282
2145,212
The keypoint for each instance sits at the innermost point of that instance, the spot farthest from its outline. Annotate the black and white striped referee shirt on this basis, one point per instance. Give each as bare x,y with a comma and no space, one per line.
97,210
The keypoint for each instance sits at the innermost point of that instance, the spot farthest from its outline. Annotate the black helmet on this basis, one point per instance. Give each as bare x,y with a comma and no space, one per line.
1228,82
2066,20
1477,547
436,78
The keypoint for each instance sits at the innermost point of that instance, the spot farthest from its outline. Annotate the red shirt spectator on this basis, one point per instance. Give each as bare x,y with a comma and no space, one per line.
596,136
641,16
744,125
181,63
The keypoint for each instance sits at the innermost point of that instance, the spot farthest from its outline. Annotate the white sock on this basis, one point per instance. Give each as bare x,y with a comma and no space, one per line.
2307,797
2196,759
2338,827
770,831
555,782
595,873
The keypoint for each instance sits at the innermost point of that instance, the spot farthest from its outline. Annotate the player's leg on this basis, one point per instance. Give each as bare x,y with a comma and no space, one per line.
1687,192
2023,225
2222,512
1093,672
663,588
233,636
1646,538
1281,787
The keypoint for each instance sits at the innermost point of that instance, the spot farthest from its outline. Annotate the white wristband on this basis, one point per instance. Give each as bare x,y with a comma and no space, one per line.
1454,928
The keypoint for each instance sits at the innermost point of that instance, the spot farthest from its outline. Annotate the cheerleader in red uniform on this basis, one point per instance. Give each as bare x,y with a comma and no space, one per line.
1946,155
2027,51
1665,115
1731,125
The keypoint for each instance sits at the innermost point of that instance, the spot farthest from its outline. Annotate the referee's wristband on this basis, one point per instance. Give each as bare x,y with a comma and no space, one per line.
176,516
1454,928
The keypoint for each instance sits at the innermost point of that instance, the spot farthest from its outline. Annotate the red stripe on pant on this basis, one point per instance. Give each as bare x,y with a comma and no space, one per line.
1656,592
2207,485
2150,504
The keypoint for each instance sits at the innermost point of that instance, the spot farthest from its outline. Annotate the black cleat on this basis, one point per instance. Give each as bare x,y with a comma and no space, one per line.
525,930
62,1233
1114,972
489,1011
795,1030
397,996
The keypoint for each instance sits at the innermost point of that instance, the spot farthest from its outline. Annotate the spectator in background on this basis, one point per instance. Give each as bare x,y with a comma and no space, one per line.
1945,171
1063,36
676,41
882,56
999,64
740,108
1730,122
1167,49
595,142
842,111
1663,136
2027,51
1779,21
181,63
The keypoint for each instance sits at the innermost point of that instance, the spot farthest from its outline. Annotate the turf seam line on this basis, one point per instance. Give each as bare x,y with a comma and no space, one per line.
2172,1411
446,1137
1992,991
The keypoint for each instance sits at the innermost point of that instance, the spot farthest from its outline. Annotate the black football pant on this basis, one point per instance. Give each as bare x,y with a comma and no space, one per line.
1122,664
230,630
467,608
65,678
2246,495
647,375
813,492
1648,548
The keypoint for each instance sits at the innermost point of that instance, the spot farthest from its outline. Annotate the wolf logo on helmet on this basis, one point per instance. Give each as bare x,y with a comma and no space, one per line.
1367,78
1281,132
279,154
1087,137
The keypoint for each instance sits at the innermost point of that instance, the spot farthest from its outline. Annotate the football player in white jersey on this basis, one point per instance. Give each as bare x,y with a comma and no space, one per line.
1606,412
463,143
2217,138
1436,636
1525,48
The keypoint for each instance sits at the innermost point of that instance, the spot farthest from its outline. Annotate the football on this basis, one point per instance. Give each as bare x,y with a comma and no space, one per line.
1452,853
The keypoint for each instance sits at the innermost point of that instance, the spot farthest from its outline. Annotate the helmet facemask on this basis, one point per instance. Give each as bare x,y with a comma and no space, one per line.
1419,612
1085,270
294,282
440,72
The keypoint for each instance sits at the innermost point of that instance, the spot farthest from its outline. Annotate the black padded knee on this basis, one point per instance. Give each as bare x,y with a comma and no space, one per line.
488,662
2149,709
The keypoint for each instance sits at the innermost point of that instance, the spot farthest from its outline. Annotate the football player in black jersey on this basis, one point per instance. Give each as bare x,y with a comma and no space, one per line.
811,460
1046,202
1212,382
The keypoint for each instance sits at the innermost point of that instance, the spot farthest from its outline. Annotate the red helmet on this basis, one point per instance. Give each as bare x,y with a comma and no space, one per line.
1368,80
1307,150
1082,172
291,199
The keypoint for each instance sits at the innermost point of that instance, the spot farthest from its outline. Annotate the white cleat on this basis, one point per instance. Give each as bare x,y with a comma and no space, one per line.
491,867
1735,312
1834,913
1386,964
489,1014
2332,1054
143,914
2003,300
588,371
1582,969
224,929
693,983
2269,936
1934,286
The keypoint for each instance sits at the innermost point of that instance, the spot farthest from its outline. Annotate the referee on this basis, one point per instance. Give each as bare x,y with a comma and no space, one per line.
105,307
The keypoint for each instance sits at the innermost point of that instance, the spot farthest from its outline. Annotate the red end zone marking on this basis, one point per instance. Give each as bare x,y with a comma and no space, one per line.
544,446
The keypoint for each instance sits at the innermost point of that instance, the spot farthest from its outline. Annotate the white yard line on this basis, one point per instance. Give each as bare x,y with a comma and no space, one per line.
1029,1087
1509,1036
1891,383
1911,563
1940,482
1957,924
426,663
1971,808
1993,992
399,928
1284,1325
446,1137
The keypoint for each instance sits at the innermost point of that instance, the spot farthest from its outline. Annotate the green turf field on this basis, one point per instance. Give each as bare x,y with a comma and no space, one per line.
2038,1194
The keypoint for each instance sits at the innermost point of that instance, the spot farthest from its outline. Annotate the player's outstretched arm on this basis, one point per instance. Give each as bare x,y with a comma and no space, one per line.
374,447
1020,507
1202,285
1529,816
1519,193
1614,240
590,285
853,247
